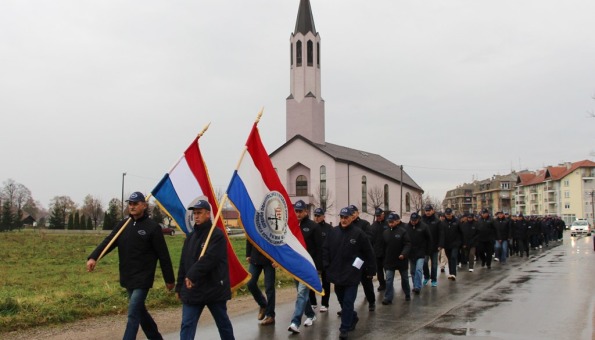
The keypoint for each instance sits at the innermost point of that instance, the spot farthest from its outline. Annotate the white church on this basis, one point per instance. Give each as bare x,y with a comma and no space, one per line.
320,173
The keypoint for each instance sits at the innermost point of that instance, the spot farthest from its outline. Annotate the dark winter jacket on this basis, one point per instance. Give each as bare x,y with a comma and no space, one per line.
433,224
255,255
485,230
341,247
210,274
520,229
469,232
313,237
450,234
377,229
421,240
502,226
396,242
140,245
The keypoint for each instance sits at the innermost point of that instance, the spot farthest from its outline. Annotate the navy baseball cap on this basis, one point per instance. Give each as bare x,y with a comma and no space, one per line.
353,208
378,212
201,204
299,205
346,212
319,211
393,217
485,211
136,197
414,216
448,211
428,207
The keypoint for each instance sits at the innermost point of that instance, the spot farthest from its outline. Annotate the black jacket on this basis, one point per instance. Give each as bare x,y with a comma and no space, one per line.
502,229
255,255
433,224
396,242
469,232
377,229
313,238
450,234
485,230
140,245
421,240
520,229
210,274
341,247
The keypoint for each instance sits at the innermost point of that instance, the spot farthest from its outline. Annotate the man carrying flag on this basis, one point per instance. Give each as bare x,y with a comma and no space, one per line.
272,227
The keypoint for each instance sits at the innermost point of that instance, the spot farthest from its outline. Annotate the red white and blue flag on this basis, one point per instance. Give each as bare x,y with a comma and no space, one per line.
186,183
267,215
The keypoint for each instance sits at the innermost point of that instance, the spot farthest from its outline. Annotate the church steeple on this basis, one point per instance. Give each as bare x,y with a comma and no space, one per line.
305,106
305,20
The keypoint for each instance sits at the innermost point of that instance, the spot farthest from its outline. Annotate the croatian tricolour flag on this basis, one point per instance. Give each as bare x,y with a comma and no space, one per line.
267,214
186,183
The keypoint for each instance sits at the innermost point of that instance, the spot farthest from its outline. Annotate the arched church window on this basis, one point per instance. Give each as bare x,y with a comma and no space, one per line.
301,186
291,53
407,202
298,53
364,194
318,54
310,51
323,196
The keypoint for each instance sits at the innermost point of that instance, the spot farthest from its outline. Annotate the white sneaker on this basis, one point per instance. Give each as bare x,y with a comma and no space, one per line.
293,328
323,309
471,269
452,277
309,321
540,247
496,259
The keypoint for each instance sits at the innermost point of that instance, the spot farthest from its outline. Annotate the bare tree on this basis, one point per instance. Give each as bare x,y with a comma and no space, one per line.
93,208
376,196
323,200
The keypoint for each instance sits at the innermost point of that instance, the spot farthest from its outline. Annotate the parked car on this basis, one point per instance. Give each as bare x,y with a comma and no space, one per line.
580,227
168,230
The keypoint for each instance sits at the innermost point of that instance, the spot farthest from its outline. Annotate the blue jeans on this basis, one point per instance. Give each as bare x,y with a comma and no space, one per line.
191,314
302,304
269,286
416,268
452,255
346,296
431,273
138,315
501,250
389,293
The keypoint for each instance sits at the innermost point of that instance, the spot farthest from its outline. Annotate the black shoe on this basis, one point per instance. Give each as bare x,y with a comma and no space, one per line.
353,323
381,288
416,291
343,335
408,298
386,302
339,313
372,307
489,267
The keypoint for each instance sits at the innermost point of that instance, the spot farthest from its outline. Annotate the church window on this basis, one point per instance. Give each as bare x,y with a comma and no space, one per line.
364,194
310,51
386,197
318,55
291,53
298,53
323,187
301,186
407,202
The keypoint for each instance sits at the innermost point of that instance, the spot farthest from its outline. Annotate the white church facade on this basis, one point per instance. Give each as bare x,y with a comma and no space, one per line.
324,174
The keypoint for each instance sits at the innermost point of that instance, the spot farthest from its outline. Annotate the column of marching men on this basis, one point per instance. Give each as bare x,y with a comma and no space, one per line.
350,254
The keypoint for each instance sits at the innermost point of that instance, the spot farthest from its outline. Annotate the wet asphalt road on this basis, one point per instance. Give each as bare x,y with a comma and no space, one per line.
551,295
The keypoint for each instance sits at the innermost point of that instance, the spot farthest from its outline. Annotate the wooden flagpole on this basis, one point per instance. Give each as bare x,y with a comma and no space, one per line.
224,199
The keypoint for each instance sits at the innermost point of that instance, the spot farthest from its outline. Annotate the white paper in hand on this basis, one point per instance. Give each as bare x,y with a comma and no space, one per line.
358,263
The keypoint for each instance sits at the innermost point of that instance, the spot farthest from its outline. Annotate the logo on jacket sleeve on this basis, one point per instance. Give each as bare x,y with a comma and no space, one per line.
141,232
353,241
271,218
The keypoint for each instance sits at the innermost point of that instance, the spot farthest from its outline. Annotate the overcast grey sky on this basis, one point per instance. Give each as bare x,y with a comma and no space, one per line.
450,89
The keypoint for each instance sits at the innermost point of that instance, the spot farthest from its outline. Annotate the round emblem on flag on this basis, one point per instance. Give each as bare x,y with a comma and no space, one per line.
271,218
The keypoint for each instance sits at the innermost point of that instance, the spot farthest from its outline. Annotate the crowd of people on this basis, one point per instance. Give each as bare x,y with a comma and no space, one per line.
350,254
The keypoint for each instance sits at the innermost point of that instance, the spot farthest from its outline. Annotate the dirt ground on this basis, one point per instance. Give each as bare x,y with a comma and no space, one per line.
110,327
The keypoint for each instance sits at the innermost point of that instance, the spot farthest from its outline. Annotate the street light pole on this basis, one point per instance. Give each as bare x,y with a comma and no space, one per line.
401,207
123,175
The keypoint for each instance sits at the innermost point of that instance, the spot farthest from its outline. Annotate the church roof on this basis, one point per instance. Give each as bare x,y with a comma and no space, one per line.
305,20
367,160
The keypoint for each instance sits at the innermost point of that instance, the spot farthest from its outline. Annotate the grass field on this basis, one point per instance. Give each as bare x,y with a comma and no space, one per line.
43,279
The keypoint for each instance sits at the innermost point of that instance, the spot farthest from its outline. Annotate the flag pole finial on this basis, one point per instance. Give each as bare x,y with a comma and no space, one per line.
204,130
259,115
